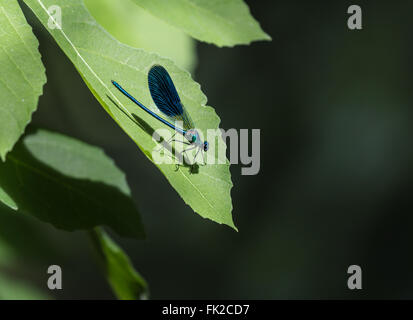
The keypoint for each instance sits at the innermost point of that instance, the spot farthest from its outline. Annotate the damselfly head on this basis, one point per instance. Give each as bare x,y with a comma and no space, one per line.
192,136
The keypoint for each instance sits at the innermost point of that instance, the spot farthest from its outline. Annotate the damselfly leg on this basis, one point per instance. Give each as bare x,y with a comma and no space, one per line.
168,142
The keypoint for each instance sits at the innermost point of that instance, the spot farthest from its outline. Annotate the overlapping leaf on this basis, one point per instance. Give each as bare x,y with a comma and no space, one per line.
69,184
222,22
133,26
22,74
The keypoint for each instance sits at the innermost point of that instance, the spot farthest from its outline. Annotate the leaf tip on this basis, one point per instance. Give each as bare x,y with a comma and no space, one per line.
230,224
266,37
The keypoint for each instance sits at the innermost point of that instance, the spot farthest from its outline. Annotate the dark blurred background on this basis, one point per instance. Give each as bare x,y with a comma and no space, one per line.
335,188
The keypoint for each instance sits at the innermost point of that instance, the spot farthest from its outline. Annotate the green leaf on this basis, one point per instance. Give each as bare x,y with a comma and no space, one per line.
22,74
13,289
69,184
222,22
5,198
99,58
126,282
143,30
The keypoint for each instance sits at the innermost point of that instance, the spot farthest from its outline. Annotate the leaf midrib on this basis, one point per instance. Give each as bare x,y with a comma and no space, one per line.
25,46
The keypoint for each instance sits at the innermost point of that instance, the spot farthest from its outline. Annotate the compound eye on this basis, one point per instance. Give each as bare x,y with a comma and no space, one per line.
193,138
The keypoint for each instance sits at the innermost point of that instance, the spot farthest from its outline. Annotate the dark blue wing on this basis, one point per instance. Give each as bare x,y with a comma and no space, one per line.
163,92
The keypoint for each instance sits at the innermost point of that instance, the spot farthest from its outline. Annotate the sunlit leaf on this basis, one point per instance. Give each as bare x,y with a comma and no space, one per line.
22,74
100,58
222,22
133,26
